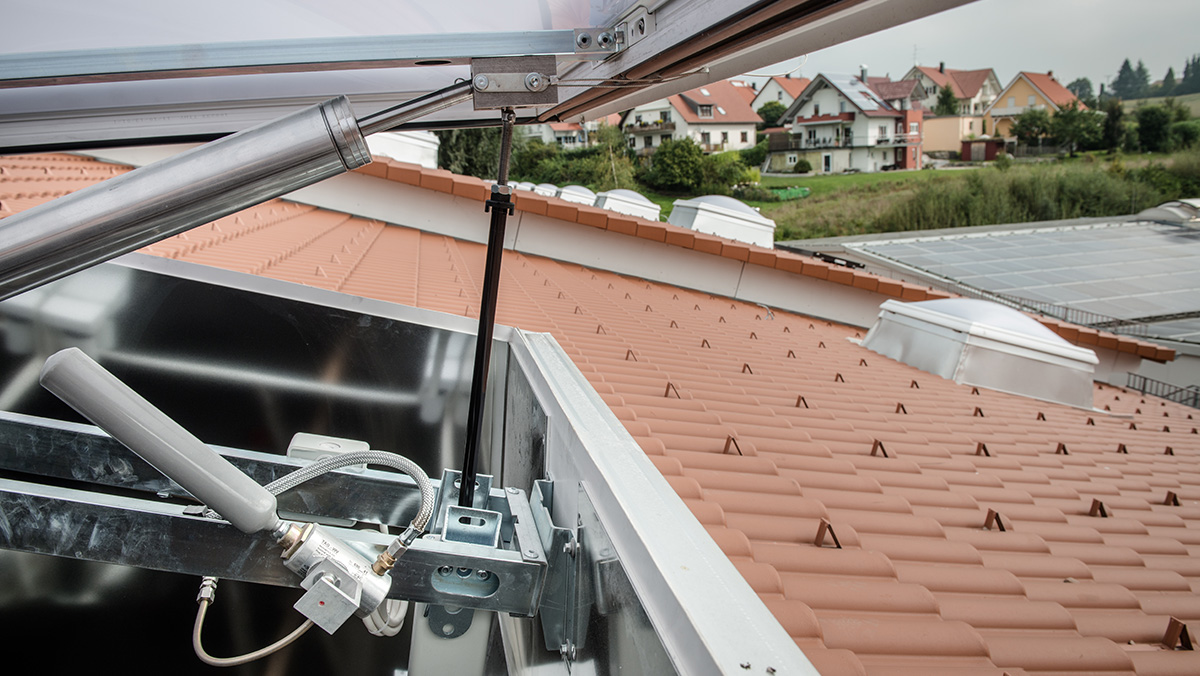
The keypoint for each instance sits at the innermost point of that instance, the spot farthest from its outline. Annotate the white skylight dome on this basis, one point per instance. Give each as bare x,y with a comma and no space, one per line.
725,217
546,189
524,185
977,342
577,194
628,202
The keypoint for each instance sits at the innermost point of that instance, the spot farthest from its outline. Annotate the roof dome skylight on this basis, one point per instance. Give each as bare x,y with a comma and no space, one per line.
725,217
977,342
577,194
628,202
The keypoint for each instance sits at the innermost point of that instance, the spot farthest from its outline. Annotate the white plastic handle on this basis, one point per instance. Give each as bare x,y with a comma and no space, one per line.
109,403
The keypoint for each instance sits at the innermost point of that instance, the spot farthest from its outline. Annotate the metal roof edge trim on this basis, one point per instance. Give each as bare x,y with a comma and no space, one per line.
682,577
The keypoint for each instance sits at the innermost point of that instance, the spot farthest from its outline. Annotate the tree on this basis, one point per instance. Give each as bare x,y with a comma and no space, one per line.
1154,128
1031,125
473,152
1168,83
947,102
1131,83
1076,127
1082,89
676,165
719,172
771,112
1190,82
1114,125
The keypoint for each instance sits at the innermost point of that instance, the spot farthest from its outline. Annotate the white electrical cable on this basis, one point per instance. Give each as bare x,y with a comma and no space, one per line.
388,618
205,600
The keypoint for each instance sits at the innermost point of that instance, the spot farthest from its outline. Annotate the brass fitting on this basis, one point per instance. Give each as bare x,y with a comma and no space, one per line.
383,564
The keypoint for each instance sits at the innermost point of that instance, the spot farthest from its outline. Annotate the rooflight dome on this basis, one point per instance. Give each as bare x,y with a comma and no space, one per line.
628,202
725,217
978,342
546,189
577,194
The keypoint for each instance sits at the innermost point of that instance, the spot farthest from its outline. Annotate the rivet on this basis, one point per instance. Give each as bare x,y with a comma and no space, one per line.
481,82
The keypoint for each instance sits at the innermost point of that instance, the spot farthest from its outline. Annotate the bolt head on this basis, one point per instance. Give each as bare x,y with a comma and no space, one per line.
482,574
532,553
583,40
514,490
641,26
534,82
605,39
445,570
480,82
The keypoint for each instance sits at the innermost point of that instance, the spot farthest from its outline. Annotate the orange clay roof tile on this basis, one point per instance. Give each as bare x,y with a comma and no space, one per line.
920,586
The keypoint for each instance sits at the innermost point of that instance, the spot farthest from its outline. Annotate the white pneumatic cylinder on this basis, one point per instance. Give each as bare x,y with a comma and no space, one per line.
109,403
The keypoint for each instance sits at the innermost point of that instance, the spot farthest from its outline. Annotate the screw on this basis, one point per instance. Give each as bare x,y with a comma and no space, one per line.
641,26
745,665
482,574
531,553
605,39
481,83
569,548
534,82
583,40
464,572
514,490
567,650
445,570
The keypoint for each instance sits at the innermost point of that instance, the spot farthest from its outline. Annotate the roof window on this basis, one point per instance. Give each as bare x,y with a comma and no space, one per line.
706,111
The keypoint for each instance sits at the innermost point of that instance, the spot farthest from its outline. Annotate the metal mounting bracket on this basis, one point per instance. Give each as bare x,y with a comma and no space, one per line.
514,82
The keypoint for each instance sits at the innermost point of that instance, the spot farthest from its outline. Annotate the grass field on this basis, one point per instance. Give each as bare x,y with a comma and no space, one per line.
1191,101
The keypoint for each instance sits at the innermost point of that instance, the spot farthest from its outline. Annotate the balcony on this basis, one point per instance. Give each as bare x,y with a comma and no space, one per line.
656,125
781,142
825,119
911,138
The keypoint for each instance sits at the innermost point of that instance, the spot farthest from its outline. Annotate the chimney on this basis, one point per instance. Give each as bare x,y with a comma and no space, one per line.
941,66
1050,74
863,73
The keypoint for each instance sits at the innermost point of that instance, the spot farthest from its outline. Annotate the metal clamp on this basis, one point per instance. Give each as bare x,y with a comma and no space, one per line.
514,82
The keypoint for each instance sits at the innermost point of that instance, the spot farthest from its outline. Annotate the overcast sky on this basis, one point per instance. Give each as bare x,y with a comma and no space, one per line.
1073,38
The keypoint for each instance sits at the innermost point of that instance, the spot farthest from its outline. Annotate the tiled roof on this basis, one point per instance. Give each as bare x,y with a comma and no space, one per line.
793,86
891,91
966,82
744,89
1045,82
770,424
722,96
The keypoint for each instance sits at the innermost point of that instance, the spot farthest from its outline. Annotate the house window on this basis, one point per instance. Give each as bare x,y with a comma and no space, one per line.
637,119
792,159
647,142
664,138
632,142
812,134
705,138
1012,102
705,111
724,137
971,126
1032,99
665,116
883,130
745,137
816,110
913,127
779,97
841,106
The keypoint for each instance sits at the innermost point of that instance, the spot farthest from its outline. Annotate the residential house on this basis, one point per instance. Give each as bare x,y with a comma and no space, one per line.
975,89
570,134
781,89
1027,91
840,123
716,116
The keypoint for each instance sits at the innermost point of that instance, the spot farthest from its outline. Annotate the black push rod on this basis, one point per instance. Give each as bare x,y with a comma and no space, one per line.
501,206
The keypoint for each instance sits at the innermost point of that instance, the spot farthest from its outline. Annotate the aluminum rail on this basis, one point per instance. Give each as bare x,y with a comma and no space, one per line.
168,197
276,56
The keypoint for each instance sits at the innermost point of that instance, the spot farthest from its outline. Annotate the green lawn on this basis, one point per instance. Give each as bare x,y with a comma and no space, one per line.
1191,101
829,183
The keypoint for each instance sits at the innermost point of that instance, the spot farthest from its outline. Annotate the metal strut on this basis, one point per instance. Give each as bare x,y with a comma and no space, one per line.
501,206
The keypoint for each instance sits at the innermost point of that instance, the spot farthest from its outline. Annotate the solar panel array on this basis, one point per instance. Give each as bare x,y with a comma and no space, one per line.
1123,270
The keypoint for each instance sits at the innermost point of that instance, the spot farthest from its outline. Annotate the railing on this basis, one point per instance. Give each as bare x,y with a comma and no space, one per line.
650,126
1188,396
898,139
1129,327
